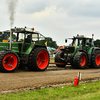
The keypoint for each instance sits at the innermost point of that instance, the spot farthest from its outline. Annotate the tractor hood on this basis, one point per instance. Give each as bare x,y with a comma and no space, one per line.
68,49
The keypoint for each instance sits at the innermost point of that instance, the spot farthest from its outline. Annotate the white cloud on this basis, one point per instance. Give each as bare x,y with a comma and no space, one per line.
58,19
86,9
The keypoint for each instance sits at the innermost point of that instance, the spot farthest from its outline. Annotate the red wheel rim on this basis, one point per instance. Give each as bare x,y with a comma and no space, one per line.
98,60
83,60
42,59
10,62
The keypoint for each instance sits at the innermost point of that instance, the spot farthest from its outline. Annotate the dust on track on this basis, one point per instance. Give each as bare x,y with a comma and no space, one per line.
21,80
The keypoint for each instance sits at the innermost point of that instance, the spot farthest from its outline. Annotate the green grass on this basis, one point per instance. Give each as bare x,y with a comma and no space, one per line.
52,59
87,91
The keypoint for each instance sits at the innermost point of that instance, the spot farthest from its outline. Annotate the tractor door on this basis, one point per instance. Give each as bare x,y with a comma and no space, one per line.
84,44
89,44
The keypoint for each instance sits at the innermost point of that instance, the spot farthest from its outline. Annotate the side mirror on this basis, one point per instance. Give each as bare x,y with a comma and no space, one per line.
65,40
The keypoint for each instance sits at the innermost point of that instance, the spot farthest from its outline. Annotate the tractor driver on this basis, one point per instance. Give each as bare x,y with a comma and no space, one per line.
28,40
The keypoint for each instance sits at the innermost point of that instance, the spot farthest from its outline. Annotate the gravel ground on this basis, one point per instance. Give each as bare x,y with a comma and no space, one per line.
21,80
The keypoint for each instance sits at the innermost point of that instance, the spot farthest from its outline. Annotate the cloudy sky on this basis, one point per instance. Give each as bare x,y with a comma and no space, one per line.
58,19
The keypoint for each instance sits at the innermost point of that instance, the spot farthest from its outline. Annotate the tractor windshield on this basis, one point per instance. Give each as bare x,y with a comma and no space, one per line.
75,41
78,41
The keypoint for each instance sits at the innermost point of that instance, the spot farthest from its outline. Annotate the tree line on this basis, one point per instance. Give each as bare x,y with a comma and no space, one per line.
97,43
49,41
6,36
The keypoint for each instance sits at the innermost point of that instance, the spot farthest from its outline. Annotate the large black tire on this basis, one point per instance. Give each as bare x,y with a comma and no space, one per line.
59,54
80,60
9,61
38,59
95,60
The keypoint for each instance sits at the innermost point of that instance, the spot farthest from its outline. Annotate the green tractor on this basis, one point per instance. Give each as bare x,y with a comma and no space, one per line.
22,49
79,54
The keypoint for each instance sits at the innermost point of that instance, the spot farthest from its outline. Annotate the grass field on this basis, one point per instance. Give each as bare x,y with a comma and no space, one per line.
51,59
86,91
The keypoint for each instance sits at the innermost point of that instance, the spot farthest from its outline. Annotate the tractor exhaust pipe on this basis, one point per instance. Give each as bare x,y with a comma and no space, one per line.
10,38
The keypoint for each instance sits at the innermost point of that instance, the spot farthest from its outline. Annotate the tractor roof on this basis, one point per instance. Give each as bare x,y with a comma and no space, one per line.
82,36
23,30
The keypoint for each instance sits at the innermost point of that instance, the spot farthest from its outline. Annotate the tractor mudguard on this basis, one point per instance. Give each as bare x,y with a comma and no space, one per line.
35,46
94,49
68,49
25,57
83,51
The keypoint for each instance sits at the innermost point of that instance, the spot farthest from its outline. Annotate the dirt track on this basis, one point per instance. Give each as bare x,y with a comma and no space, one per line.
21,79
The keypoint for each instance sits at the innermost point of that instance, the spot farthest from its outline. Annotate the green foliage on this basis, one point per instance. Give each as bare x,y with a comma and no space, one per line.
14,37
49,41
0,36
97,43
87,91
6,36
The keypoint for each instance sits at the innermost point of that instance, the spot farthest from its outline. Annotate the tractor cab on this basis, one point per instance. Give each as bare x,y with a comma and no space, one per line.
23,37
79,42
83,42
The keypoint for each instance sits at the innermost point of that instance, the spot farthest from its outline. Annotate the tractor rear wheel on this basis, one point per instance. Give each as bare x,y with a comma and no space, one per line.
59,54
95,61
9,61
38,59
80,60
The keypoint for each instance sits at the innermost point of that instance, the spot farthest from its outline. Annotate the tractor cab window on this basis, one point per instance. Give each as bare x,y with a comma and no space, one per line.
88,41
36,37
91,42
17,37
77,42
80,42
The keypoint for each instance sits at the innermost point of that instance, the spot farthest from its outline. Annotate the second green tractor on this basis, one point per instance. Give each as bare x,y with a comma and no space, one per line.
79,54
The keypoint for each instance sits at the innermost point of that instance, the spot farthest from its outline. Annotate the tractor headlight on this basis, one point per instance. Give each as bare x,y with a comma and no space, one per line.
69,54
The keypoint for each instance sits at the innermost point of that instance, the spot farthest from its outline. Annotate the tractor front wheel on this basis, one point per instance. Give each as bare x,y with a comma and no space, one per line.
95,60
9,61
80,60
38,59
